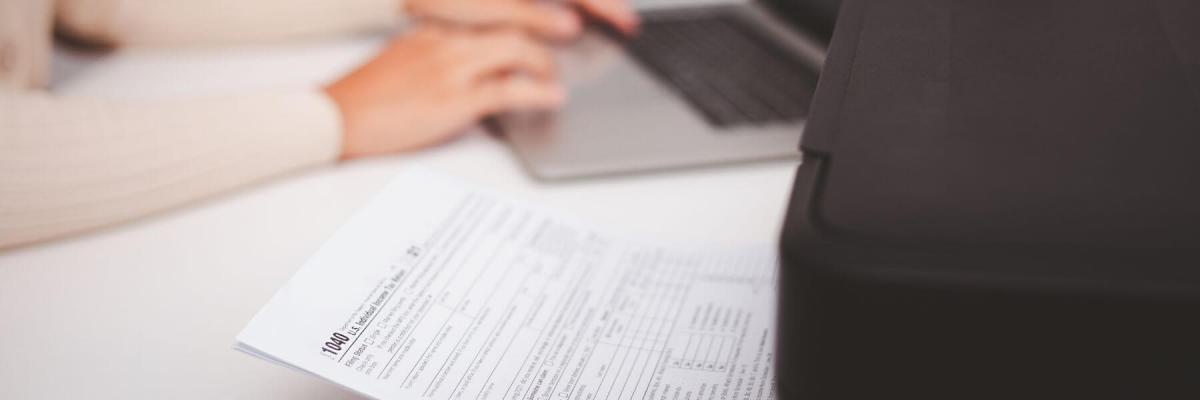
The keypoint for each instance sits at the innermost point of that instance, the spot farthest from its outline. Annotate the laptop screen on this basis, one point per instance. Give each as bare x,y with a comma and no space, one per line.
814,16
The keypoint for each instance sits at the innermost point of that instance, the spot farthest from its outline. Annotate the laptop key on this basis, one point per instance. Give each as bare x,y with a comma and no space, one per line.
725,68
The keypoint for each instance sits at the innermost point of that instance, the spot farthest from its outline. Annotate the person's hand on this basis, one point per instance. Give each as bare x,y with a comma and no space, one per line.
425,87
549,20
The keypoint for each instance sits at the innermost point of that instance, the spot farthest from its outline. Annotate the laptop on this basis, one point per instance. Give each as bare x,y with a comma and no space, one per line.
700,85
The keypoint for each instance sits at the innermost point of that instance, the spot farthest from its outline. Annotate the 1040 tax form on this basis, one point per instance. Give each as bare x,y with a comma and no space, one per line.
441,290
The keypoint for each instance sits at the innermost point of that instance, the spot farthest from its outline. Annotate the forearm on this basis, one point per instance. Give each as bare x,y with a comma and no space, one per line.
71,165
163,22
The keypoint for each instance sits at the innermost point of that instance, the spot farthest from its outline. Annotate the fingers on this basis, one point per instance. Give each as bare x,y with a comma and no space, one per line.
617,13
544,19
505,51
501,70
547,20
516,92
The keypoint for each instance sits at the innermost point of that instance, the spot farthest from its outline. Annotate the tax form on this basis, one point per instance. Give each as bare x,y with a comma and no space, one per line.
441,290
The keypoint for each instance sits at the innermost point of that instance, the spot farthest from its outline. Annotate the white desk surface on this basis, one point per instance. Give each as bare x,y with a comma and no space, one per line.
150,309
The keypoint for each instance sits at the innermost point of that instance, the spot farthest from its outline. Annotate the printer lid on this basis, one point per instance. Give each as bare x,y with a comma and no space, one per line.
1024,122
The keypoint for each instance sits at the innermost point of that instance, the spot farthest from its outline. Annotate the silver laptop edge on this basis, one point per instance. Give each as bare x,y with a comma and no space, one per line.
621,119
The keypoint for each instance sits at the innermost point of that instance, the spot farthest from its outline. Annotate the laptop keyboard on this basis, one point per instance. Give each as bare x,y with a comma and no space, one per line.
726,68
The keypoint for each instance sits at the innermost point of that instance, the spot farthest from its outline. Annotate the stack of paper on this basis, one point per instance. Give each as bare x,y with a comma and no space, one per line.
444,291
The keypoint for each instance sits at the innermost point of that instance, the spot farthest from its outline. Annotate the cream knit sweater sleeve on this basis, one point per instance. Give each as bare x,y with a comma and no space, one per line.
69,165
158,22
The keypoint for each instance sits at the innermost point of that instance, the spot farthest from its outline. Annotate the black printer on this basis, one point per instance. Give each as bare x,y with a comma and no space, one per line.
998,200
